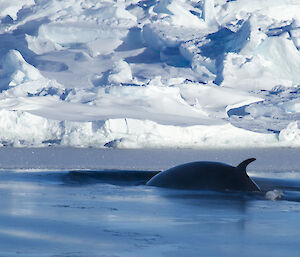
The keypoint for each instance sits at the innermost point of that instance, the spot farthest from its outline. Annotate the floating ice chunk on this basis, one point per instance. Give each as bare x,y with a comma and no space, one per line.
121,73
274,195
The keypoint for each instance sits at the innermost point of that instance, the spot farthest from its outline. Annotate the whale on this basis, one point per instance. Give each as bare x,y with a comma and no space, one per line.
206,175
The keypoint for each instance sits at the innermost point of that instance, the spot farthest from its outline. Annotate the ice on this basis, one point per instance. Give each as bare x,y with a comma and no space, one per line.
121,73
209,14
128,74
11,8
22,128
179,13
274,195
291,133
17,69
20,79
284,56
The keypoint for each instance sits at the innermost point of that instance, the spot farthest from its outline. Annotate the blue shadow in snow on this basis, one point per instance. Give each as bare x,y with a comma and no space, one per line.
224,41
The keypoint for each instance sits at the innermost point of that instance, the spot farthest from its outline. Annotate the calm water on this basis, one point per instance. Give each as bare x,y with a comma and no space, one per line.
112,213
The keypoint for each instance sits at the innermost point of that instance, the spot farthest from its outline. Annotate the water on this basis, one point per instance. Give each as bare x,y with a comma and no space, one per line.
102,213
111,212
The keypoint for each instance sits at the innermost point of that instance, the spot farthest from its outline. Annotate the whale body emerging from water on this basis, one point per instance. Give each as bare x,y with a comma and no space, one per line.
205,175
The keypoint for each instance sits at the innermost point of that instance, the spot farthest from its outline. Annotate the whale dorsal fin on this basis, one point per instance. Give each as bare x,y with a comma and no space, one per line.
245,163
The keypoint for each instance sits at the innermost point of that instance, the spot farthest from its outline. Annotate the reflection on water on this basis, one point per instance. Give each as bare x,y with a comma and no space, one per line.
113,213
290,188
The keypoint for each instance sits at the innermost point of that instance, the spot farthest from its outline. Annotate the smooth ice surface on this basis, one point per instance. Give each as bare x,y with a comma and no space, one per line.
136,74
93,202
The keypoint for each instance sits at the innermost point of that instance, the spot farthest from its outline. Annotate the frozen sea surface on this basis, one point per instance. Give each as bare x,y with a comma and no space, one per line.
92,202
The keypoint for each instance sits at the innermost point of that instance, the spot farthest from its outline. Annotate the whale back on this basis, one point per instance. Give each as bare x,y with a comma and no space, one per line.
206,176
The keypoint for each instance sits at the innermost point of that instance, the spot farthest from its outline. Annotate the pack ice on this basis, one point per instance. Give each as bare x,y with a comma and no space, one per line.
132,74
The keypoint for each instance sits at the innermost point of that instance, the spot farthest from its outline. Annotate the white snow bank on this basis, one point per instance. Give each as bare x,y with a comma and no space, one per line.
291,134
17,69
99,38
121,73
215,101
41,45
24,129
292,106
275,10
12,7
19,78
164,105
77,34
179,13
276,61
283,56
149,134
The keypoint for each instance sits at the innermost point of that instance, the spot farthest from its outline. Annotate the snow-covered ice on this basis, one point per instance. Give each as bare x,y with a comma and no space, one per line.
135,74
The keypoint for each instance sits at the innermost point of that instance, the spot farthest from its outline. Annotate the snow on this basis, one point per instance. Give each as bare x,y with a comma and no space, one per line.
144,74
17,69
11,8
